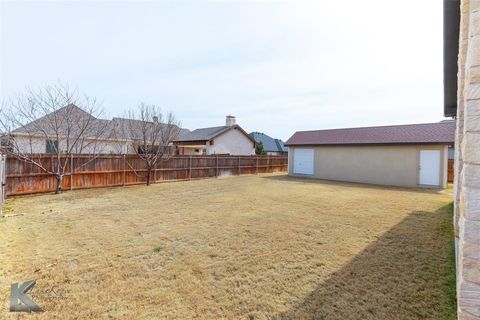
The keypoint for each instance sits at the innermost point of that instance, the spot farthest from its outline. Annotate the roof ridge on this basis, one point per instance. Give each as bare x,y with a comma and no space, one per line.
211,127
385,126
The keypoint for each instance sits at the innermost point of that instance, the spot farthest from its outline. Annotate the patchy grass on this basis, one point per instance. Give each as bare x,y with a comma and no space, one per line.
253,247
450,287
157,249
449,187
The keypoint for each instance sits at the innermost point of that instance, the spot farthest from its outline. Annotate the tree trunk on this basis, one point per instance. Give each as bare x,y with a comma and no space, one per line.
59,184
149,175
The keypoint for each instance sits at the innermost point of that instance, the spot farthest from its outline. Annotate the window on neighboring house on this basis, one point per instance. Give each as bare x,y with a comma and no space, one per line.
51,146
204,152
197,150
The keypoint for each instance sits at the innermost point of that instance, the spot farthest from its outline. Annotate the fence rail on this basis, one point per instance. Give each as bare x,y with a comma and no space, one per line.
83,171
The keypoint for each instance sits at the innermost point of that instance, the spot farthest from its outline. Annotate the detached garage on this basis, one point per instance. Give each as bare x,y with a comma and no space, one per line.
413,155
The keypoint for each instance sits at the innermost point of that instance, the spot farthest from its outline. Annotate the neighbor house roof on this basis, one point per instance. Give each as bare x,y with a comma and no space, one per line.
206,134
424,133
131,129
203,134
269,144
115,129
63,121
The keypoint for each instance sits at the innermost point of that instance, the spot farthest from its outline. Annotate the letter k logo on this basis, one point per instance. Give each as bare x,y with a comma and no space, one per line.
19,301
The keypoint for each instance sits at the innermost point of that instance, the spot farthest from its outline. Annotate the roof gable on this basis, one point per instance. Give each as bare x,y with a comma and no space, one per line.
63,118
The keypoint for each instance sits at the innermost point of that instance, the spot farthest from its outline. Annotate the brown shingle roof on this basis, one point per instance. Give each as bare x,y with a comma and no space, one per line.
108,129
205,134
202,134
128,129
423,133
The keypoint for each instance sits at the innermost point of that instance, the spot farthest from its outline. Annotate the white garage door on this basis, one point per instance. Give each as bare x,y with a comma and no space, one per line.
303,161
430,167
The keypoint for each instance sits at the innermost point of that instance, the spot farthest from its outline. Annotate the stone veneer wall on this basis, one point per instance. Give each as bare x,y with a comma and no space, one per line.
467,163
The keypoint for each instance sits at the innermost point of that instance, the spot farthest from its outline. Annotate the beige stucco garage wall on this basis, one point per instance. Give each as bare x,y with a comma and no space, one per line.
384,165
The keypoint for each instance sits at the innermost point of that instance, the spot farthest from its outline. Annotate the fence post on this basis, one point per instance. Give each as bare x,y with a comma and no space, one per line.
268,164
124,163
190,169
256,171
238,165
217,166
2,189
71,172
5,178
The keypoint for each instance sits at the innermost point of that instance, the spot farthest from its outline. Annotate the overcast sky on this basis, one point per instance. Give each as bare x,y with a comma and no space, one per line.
278,66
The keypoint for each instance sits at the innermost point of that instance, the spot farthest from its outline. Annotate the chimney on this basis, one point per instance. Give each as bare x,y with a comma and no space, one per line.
230,121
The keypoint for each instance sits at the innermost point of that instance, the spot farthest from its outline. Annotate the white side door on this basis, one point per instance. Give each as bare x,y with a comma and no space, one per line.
429,167
303,161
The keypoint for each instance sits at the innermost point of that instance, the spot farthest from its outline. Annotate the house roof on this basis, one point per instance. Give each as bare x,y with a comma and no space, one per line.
202,134
423,133
206,134
109,129
62,122
130,129
269,144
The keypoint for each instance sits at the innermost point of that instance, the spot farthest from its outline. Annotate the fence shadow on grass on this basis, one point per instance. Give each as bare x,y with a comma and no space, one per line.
406,274
286,178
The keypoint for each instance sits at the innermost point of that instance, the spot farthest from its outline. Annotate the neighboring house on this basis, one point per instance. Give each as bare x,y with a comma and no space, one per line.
403,155
461,54
273,147
106,136
229,139
128,131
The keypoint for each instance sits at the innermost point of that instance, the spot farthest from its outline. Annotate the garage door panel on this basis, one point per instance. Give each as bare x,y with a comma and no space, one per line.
303,160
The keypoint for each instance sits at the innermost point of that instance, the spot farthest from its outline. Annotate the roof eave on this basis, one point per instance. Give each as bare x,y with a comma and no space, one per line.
366,144
190,142
451,31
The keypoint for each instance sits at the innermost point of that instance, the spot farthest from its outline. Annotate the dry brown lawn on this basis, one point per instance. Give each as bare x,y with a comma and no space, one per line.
251,247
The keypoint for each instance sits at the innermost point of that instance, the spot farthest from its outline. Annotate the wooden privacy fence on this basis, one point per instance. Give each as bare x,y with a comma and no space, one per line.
123,170
450,170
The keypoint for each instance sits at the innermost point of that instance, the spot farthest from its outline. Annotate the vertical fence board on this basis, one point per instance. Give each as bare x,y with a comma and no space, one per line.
451,170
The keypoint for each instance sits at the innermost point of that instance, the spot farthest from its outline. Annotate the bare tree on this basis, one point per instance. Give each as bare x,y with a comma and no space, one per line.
53,120
151,134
